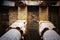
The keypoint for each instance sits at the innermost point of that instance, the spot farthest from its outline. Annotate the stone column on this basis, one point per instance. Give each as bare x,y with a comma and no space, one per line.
43,13
22,13
13,15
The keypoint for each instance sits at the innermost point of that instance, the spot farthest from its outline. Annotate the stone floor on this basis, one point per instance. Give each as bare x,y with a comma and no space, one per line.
32,35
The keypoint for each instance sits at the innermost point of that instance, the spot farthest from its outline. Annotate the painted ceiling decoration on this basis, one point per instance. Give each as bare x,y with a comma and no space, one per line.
8,3
30,2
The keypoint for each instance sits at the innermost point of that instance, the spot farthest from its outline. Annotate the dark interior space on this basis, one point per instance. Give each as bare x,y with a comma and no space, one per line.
4,19
32,25
33,8
54,16
33,13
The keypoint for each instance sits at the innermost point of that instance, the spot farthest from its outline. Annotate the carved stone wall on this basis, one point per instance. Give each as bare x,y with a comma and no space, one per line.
43,14
22,13
13,15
